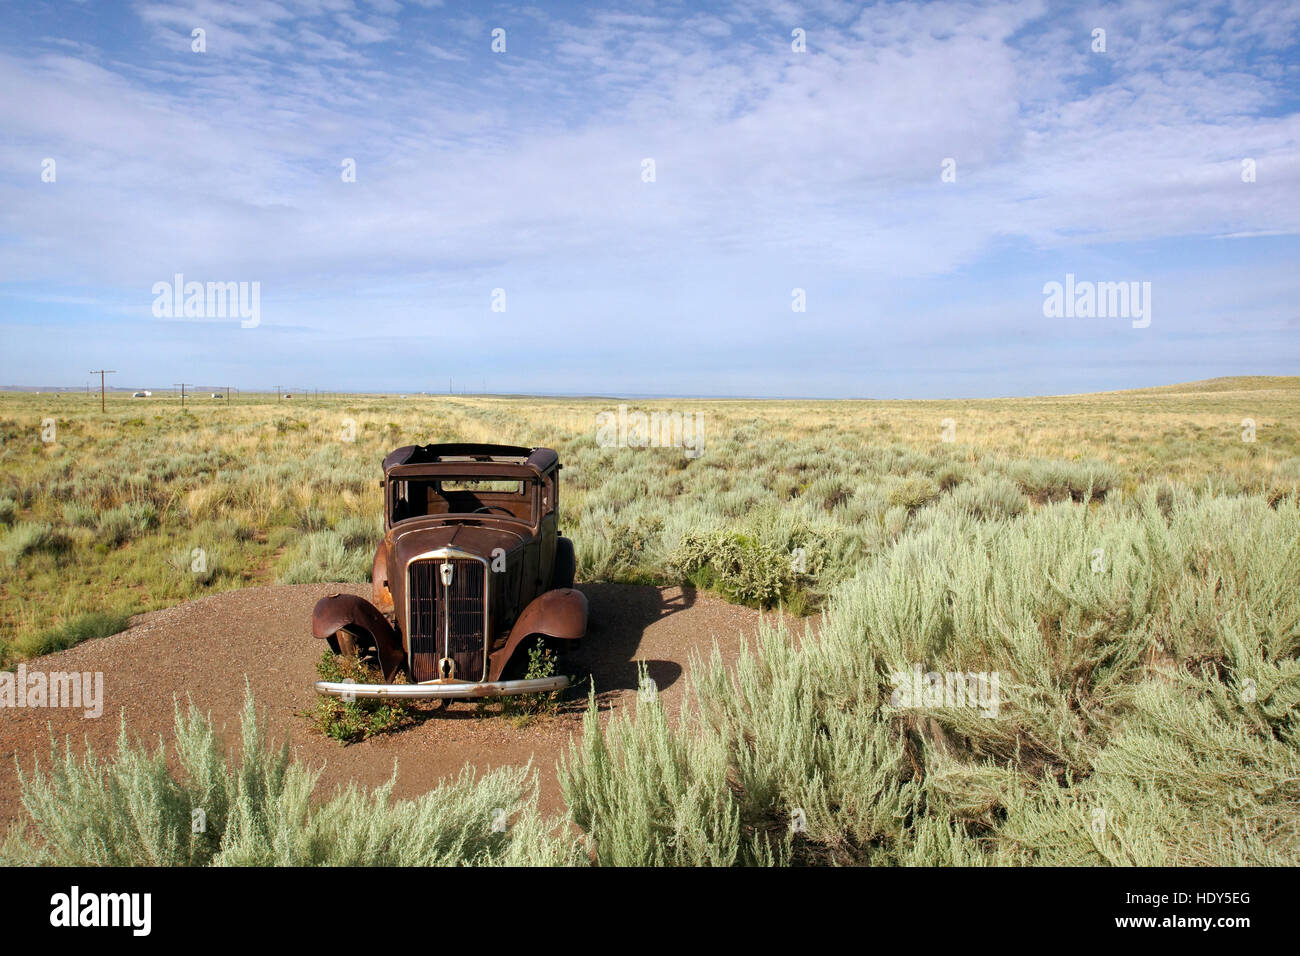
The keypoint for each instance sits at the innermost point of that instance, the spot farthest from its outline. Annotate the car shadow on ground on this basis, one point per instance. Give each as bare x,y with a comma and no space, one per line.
610,654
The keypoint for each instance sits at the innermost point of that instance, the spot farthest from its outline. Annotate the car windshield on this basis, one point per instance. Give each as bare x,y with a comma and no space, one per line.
449,495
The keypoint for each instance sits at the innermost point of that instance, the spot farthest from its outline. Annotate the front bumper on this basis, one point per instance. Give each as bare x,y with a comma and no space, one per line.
441,689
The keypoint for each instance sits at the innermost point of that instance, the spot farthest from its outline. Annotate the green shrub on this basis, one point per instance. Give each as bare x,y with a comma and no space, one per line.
742,569
894,520
647,796
360,718
623,551
358,532
352,720
83,627
196,565
311,519
28,538
202,808
76,514
1287,471
1060,480
8,510
1227,792
950,476
322,557
119,525
523,708
913,492
989,498
828,492
1148,670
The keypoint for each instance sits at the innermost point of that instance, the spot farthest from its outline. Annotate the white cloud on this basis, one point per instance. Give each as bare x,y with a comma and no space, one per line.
471,165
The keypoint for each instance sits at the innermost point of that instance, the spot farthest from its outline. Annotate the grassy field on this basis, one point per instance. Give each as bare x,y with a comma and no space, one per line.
104,520
1126,564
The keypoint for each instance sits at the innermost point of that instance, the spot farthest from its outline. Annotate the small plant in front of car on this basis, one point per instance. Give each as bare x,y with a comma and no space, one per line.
354,720
523,708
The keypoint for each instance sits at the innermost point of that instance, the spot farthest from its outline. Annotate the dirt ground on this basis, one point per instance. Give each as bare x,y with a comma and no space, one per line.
207,648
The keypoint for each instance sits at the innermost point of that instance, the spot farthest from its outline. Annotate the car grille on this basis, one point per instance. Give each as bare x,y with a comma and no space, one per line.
447,622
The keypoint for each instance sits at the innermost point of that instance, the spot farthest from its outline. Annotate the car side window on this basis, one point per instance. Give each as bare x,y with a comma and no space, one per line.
401,504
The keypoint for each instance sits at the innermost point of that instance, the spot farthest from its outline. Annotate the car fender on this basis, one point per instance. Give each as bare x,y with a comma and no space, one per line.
335,612
561,613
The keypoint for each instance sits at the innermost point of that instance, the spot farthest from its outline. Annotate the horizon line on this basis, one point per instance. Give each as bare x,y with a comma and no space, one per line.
169,392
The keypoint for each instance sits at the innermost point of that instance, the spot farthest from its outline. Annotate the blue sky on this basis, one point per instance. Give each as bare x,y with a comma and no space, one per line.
774,169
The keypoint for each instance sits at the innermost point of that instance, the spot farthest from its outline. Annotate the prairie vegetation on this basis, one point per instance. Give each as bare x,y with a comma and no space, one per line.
1125,563
258,810
146,506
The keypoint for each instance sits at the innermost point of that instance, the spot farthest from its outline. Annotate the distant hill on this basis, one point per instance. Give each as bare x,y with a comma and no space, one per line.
1230,383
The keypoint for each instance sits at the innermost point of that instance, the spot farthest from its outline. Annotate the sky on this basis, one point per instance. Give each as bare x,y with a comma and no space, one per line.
763,198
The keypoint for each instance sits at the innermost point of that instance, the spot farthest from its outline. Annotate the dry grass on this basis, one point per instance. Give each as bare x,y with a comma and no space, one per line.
108,517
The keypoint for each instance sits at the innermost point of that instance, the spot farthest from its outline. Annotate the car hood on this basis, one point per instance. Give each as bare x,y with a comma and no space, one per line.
415,537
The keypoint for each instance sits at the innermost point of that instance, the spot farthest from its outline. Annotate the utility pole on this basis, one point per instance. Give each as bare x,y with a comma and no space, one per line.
227,394
101,372
181,385
277,393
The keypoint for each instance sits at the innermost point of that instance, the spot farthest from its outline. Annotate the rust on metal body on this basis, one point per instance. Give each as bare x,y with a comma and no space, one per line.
470,568
561,613
349,614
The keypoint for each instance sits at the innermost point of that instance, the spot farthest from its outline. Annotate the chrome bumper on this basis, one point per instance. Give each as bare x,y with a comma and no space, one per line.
501,688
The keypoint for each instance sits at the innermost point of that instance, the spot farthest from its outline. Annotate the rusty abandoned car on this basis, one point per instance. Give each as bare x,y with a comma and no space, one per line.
471,572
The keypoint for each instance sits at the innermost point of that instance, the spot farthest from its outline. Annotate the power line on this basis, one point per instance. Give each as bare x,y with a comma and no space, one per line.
101,372
181,386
